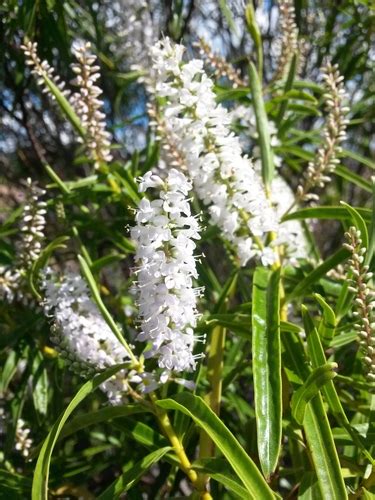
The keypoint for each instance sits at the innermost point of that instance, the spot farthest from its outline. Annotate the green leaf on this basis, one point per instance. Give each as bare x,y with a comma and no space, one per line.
318,359
266,153
359,158
102,415
41,262
266,353
287,89
40,385
309,487
41,472
328,323
102,308
323,212
323,452
316,426
65,106
130,477
253,29
310,388
227,13
352,177
318,273
217,469
371,244
358,222
204,417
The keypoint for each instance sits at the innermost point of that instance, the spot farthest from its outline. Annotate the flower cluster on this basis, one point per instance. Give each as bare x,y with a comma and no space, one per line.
223,178
364,302
164,235
318,171
33,223
288,42
221,66
43,70
88,106
80,333
29,245
23,441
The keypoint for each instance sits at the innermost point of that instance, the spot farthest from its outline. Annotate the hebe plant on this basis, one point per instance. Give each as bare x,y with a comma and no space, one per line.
171,326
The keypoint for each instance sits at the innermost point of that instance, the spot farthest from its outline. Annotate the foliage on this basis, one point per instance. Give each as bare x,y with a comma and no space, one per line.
281,398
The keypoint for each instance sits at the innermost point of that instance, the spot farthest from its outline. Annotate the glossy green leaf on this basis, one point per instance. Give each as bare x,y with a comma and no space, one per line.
316,425
309,487
288,89
41,471
358,222
318,273
328,323
371,244
65,106
318,359
204,417
359,158
102,308
323,212
266,354
323,451
41,262
352,177
102,415
217,469
266,153
129,478
317,378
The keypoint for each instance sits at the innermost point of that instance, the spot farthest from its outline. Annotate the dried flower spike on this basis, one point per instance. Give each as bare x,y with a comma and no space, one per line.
318,171
29,245
222,67
288,43
42,70
88,106
364,302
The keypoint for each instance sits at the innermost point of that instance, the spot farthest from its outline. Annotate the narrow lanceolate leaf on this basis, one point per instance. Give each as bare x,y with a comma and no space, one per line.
217,469
328,323
323,451
287,89
318,359
266,154
129,478
310,388
266,352
318,273
371,243
241,463
358,222
102,308
323,212
41,472
65,106
317,428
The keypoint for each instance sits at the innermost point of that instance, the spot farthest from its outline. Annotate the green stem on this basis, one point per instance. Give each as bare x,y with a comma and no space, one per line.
179,450
214,377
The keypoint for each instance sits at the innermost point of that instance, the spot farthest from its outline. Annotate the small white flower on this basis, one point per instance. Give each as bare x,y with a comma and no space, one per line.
166,265
81,334
223,179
